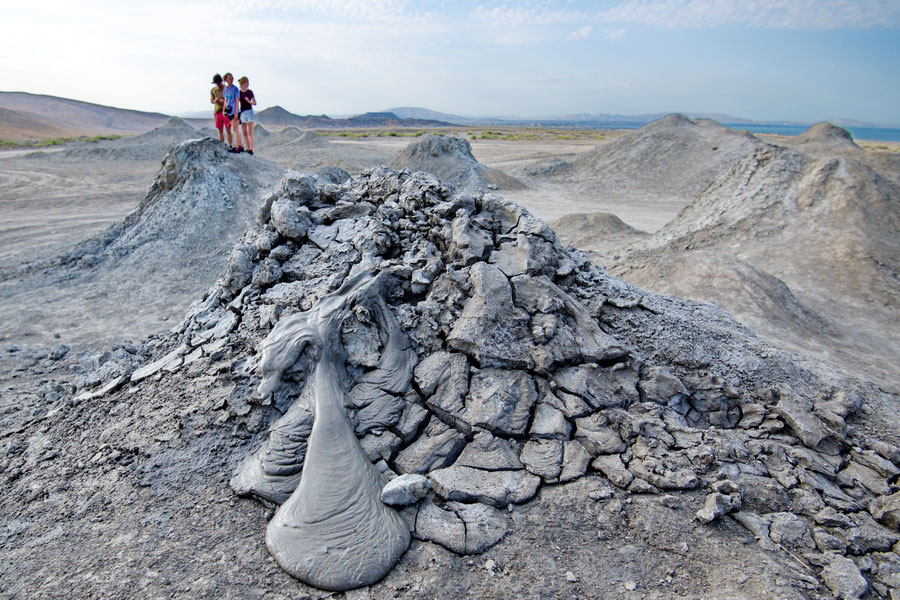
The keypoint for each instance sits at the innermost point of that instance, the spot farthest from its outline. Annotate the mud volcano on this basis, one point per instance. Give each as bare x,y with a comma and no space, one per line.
450,159
385,360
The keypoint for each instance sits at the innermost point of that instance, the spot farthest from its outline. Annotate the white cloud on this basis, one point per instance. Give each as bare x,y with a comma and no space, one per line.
525,15
581,34
614,35
774,14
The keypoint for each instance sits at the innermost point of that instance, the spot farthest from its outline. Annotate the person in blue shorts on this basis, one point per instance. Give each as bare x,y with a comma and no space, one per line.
248,101
232,110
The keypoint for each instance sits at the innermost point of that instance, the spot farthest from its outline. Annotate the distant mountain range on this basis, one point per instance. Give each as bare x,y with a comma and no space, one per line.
605,119
25,116
278,116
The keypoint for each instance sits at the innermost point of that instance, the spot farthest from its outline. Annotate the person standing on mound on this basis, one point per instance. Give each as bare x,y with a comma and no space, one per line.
217,99
232,110
248,101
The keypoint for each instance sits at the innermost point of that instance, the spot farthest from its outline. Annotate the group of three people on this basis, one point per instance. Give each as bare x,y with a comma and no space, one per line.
233,111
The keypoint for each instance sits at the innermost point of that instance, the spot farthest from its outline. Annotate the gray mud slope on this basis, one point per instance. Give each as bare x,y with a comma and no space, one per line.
588,438
125,282
825,140
306,152
152,145
450,159
824,224
673,158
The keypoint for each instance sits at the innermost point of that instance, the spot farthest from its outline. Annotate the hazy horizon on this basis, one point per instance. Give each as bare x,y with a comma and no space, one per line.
771,60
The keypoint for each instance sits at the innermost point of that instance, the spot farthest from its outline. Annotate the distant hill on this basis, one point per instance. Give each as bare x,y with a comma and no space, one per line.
20,126
279,116
48,115
412,112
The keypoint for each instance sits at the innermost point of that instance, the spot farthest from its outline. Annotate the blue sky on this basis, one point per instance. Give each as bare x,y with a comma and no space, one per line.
803,60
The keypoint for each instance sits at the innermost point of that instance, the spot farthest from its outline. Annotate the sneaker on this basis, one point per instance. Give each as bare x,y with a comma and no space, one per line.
240,149
249,151
233,150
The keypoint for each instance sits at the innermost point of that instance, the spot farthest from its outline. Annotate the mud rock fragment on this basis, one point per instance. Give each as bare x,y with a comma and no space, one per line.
844,579
668,479
500,401
790,531
290,219
798,413
598,436
444,379
858,473
405,489
490,454
575,461
497,488
549,422
659,385
887,510
758,525
867,535
438,446
612,466
543,458
491,329
716,505
600,387
461,528
411,421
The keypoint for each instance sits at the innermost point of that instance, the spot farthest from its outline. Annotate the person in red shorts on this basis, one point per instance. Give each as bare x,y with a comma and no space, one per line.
217,99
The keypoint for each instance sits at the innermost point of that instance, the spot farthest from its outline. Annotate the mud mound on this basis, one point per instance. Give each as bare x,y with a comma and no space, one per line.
152,145
261,134
387,329
288,133
595,232
307,139
825,226
825,140
127,280
672,159
450,159
795,202
824,137
305,151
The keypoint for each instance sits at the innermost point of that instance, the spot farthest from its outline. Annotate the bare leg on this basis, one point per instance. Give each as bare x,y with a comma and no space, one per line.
237,132
221,134
251,142
246,139
227,129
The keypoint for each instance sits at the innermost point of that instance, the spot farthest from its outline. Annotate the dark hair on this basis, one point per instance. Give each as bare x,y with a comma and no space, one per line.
217,78
229,74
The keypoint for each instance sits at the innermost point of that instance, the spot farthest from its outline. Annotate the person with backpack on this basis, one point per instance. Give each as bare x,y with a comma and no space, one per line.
232,110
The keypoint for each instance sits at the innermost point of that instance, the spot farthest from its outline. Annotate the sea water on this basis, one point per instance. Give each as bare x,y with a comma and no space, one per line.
877,134
874,134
